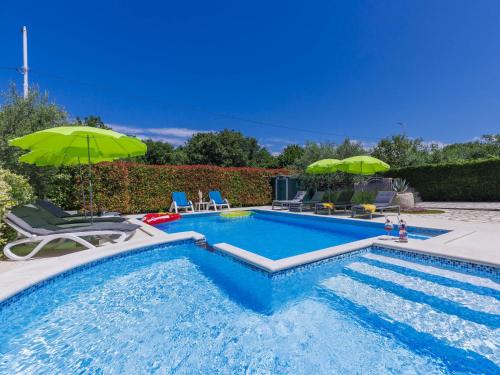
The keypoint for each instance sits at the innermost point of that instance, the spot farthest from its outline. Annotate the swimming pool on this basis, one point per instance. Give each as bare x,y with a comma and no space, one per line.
180,308
279,235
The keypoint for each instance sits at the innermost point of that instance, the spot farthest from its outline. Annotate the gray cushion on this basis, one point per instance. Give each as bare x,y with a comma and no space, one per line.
384,197
52,208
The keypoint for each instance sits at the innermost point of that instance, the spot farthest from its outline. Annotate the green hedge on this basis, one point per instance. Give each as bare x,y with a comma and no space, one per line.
465,181
134,188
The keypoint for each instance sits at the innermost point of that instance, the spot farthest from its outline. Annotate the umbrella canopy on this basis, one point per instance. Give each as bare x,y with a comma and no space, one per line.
363,165
79,140
57,158
69,145
323,166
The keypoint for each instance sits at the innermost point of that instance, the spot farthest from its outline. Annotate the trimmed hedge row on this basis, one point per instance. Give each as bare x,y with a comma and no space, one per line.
465,181
133,188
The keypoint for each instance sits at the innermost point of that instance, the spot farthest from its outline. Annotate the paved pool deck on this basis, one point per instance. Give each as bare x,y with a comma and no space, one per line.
472,241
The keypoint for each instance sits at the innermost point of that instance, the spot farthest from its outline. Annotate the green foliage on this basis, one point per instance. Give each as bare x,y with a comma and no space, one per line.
157,153
62,189
18,117
289,155
477,180
93,121
487,147
133,188
316,151
14,190
400,151
227,148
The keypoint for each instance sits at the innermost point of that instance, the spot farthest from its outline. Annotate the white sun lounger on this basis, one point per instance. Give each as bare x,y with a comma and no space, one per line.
46,233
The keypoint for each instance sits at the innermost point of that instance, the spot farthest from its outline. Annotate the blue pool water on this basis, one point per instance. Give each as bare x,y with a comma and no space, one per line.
278,235
182,309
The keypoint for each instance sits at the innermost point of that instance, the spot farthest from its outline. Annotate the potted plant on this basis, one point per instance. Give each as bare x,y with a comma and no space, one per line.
404,198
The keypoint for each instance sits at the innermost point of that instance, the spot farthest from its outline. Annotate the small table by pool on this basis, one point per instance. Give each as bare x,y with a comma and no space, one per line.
201,206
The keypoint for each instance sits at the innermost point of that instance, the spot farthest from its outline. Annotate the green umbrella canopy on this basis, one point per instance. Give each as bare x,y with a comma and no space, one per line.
77,141
323,166
364,165
45,158
68,145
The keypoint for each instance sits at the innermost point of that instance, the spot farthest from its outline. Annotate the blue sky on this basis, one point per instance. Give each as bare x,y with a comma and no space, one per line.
326,69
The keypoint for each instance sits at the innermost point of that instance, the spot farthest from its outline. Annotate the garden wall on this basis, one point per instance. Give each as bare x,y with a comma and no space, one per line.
134,188
465,181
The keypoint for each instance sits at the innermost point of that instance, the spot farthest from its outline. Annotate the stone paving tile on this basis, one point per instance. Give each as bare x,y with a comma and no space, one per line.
462,205
471,216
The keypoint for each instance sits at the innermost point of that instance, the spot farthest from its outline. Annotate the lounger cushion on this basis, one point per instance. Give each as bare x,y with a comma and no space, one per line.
52,208
37,221
180,198
384,197
299,197
216,196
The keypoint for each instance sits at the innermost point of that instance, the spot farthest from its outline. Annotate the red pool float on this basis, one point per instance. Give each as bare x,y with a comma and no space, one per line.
160,218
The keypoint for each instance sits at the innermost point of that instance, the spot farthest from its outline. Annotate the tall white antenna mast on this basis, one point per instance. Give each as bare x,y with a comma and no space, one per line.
25,62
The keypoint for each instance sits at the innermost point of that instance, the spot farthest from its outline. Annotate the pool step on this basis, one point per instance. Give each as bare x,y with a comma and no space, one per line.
420,317
468,299
205,245
448,274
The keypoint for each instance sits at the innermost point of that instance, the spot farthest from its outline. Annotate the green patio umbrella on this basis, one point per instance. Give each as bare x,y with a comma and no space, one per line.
363,165
323,166
57,158
70,145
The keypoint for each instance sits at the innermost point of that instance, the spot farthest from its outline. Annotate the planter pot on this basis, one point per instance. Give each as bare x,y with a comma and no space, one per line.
405,200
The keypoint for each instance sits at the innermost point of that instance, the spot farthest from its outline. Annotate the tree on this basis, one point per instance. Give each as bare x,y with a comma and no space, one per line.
94,121
264,159
18,117
227,148
487,147
157,153
401,151
289,154
349,148
328,150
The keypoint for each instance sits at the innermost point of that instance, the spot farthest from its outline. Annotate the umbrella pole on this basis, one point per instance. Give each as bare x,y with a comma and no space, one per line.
83,189
90,182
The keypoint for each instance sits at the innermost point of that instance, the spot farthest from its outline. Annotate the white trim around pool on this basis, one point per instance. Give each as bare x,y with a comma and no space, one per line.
37,270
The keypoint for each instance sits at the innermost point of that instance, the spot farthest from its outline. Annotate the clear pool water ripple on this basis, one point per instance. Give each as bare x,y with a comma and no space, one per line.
277,235
183,309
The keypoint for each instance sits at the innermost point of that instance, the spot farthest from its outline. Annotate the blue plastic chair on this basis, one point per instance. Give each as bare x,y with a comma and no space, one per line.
216,200
180,202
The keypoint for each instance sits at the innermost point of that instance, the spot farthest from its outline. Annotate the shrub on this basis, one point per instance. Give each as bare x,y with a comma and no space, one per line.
14,190
461,181
133,188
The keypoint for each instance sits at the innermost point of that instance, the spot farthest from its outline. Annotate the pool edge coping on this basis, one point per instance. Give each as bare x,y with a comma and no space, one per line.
20,279
15,281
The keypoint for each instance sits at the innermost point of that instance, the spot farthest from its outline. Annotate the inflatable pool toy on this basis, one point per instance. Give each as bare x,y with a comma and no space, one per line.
160,218
235,214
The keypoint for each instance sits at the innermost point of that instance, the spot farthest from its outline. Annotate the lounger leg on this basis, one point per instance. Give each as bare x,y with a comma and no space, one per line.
8,253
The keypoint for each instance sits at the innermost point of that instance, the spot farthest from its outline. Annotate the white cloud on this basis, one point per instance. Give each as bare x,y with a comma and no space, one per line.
175,132
125,129
175,136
